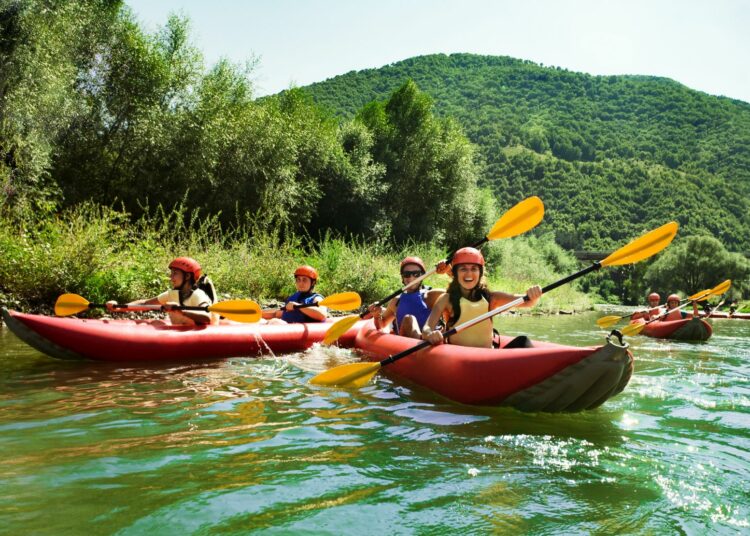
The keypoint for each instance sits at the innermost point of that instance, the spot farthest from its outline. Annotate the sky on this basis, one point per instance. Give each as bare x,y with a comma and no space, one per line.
703,44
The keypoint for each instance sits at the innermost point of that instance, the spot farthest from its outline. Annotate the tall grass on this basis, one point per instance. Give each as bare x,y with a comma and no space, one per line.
99,253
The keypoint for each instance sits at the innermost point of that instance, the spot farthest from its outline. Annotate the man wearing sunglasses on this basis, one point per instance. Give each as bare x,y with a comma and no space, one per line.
408,312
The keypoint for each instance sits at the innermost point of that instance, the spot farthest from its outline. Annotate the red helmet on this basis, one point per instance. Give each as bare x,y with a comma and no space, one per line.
413,260
673,297
467,256
654,296
307,271
188,265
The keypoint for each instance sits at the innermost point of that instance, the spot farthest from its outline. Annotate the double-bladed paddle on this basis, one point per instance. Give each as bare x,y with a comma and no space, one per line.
239,310
343,301
358,374
721,288
522,217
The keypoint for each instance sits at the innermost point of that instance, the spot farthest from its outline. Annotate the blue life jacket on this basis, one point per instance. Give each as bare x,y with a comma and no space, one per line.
298,316
412,303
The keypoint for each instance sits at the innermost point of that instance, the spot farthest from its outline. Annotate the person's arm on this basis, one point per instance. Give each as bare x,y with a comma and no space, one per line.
695,310
317,313
498,299
199,317
268,314
150,301
429,333
383,318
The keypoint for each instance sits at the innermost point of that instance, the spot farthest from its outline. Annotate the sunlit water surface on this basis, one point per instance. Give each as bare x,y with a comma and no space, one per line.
245,445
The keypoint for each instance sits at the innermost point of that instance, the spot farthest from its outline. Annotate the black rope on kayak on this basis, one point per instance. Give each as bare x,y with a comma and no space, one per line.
616,333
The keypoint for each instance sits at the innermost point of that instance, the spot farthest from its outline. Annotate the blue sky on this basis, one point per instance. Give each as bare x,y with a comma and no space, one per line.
702,44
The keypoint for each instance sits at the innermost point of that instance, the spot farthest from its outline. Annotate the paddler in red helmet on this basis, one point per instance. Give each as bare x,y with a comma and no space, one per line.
305,278
408,312
468,297
673,301
184,275
653,310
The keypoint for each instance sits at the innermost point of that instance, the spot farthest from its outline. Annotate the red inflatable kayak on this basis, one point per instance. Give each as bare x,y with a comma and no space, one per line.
546,377
148,340
687,329
737,316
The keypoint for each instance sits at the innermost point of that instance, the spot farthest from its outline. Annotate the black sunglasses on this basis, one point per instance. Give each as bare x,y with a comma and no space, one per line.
411,273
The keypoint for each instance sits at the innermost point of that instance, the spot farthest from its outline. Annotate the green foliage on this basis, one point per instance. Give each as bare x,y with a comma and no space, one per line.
43,47
696,263
99,253
610,155
430,177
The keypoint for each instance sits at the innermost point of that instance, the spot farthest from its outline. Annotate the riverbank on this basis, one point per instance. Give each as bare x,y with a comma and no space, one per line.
101,254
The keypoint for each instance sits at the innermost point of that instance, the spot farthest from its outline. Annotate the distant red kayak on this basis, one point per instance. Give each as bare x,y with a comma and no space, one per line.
687,329
546,377
153,341
736,316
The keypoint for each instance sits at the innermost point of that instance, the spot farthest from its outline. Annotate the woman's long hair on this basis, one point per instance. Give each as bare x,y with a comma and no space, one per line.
476,294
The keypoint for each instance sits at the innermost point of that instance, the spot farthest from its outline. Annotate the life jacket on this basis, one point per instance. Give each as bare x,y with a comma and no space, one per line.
412,303
478,335
295,316
675,315
207,286
197,298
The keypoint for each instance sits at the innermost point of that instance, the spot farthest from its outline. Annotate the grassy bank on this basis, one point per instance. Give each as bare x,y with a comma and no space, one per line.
99,253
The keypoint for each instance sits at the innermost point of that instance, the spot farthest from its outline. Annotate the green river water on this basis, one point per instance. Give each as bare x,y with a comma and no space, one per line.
247,446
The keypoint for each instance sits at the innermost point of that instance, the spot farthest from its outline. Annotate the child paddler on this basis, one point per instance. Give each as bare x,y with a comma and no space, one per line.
187,289
673,301
467,298
305,278
407,313
653,310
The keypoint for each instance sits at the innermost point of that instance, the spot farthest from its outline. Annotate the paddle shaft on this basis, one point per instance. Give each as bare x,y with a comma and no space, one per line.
716,308
490,314
126,307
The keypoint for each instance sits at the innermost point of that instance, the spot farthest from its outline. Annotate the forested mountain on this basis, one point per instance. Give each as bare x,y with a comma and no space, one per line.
609,155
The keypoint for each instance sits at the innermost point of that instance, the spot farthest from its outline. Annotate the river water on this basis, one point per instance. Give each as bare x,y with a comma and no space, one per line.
246,445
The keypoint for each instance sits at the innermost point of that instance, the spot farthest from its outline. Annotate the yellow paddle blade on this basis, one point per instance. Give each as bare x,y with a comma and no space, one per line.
632,329
608,321
522,217
349,375
339,328
718,290
700,296
721,288
238,310
70,304
344,301
644,247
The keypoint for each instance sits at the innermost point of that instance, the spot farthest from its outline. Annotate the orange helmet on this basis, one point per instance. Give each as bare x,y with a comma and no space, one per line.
307,271
413,260
188,265
467,256
673,297
654,296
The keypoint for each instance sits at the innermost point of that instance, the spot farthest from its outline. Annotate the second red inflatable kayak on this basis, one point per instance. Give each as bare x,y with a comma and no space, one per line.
545,377
687,329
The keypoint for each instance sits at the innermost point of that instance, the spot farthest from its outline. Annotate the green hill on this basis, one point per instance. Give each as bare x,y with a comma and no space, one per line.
609,155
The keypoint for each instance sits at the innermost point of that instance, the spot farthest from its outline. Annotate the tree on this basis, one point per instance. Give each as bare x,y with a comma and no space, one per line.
430,177
696,263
